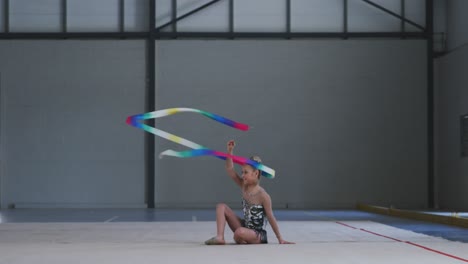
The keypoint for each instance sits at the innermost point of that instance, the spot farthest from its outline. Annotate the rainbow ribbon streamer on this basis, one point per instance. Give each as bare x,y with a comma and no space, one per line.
198,150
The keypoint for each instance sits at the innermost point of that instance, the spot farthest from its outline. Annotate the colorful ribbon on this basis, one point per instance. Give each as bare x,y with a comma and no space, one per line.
198,150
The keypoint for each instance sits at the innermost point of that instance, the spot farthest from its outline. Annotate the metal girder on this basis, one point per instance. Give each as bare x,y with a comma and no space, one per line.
230,34
174,20
74,35
226,35
292,35
393,14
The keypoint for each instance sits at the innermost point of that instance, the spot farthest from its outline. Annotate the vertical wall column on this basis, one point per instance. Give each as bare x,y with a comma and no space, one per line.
150,104
6,16
430,101
64,15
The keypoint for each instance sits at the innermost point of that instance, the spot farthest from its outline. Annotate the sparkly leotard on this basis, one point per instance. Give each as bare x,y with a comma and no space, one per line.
254,218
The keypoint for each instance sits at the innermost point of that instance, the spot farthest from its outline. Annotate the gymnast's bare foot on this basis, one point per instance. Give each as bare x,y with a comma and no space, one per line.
215,241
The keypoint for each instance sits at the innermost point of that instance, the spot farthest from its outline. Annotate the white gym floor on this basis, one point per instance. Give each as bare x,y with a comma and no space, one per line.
351,238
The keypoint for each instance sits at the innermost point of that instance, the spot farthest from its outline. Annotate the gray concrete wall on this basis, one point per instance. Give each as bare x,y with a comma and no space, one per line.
64,141
339,121
451,102
452,97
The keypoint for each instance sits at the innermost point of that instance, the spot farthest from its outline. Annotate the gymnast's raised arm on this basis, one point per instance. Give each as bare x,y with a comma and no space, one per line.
230,164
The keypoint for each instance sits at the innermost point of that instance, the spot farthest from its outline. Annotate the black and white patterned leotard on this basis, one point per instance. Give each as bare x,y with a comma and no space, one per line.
254,218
